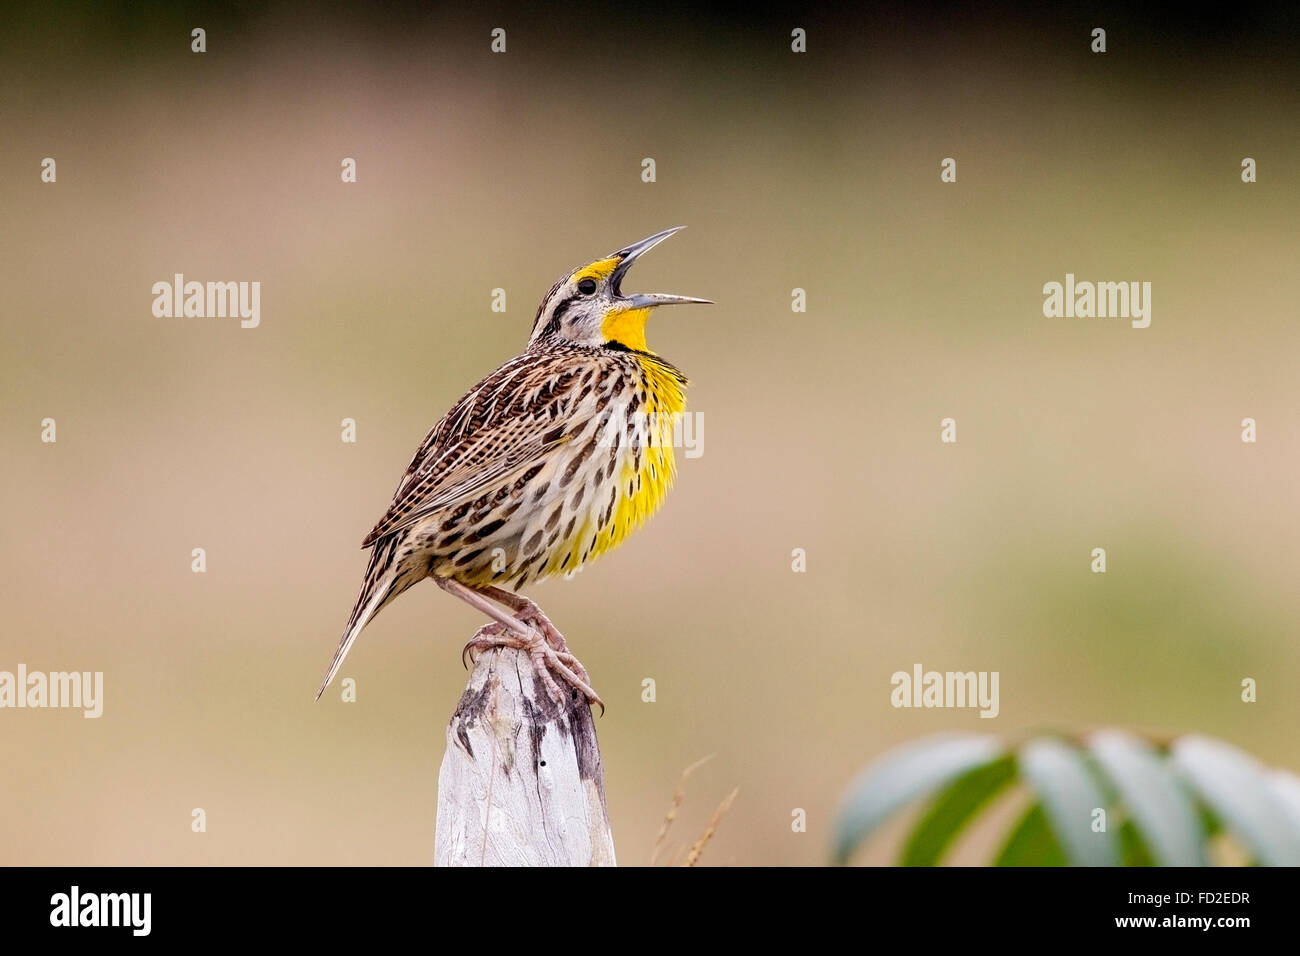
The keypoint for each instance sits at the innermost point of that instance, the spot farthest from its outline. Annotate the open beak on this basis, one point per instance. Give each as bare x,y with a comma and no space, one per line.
647,300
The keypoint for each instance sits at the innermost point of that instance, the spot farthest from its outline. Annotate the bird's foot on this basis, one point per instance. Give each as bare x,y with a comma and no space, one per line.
545,658
533,616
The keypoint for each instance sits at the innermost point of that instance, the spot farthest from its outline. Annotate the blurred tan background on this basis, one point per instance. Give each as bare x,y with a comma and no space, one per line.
478,171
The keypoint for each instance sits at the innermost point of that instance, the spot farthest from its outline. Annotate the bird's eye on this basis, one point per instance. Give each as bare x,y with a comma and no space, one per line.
587,286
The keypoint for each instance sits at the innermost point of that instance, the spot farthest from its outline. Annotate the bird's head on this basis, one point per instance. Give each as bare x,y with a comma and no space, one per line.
589,307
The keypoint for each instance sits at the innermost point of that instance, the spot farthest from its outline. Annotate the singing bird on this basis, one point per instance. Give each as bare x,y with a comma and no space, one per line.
544,465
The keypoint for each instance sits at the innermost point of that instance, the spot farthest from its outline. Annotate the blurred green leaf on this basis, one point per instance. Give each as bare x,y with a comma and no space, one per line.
1236,788
953,808
903,775
1133,849
1212,825
1155,799
1069,796
1031,843
1169,801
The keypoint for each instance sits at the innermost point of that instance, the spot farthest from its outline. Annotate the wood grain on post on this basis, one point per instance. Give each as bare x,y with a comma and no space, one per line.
521,782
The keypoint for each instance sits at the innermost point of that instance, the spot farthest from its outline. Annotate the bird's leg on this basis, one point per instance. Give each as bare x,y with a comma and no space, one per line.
523,636
527,611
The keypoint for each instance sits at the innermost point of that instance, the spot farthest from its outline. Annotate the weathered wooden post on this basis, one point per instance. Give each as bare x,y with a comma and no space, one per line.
521,782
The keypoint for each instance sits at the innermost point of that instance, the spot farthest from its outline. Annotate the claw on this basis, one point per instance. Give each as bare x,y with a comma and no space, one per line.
578,683
483,639
545,659
558,652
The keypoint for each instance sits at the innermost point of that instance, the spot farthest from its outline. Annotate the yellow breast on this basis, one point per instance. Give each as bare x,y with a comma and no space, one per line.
645,469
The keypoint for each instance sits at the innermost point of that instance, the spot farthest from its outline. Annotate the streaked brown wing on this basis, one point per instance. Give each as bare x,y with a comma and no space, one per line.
499,428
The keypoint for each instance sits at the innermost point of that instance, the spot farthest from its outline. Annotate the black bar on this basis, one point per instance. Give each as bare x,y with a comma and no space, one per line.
304,905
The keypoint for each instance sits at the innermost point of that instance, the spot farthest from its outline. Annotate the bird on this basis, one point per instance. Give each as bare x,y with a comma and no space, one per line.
547,463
